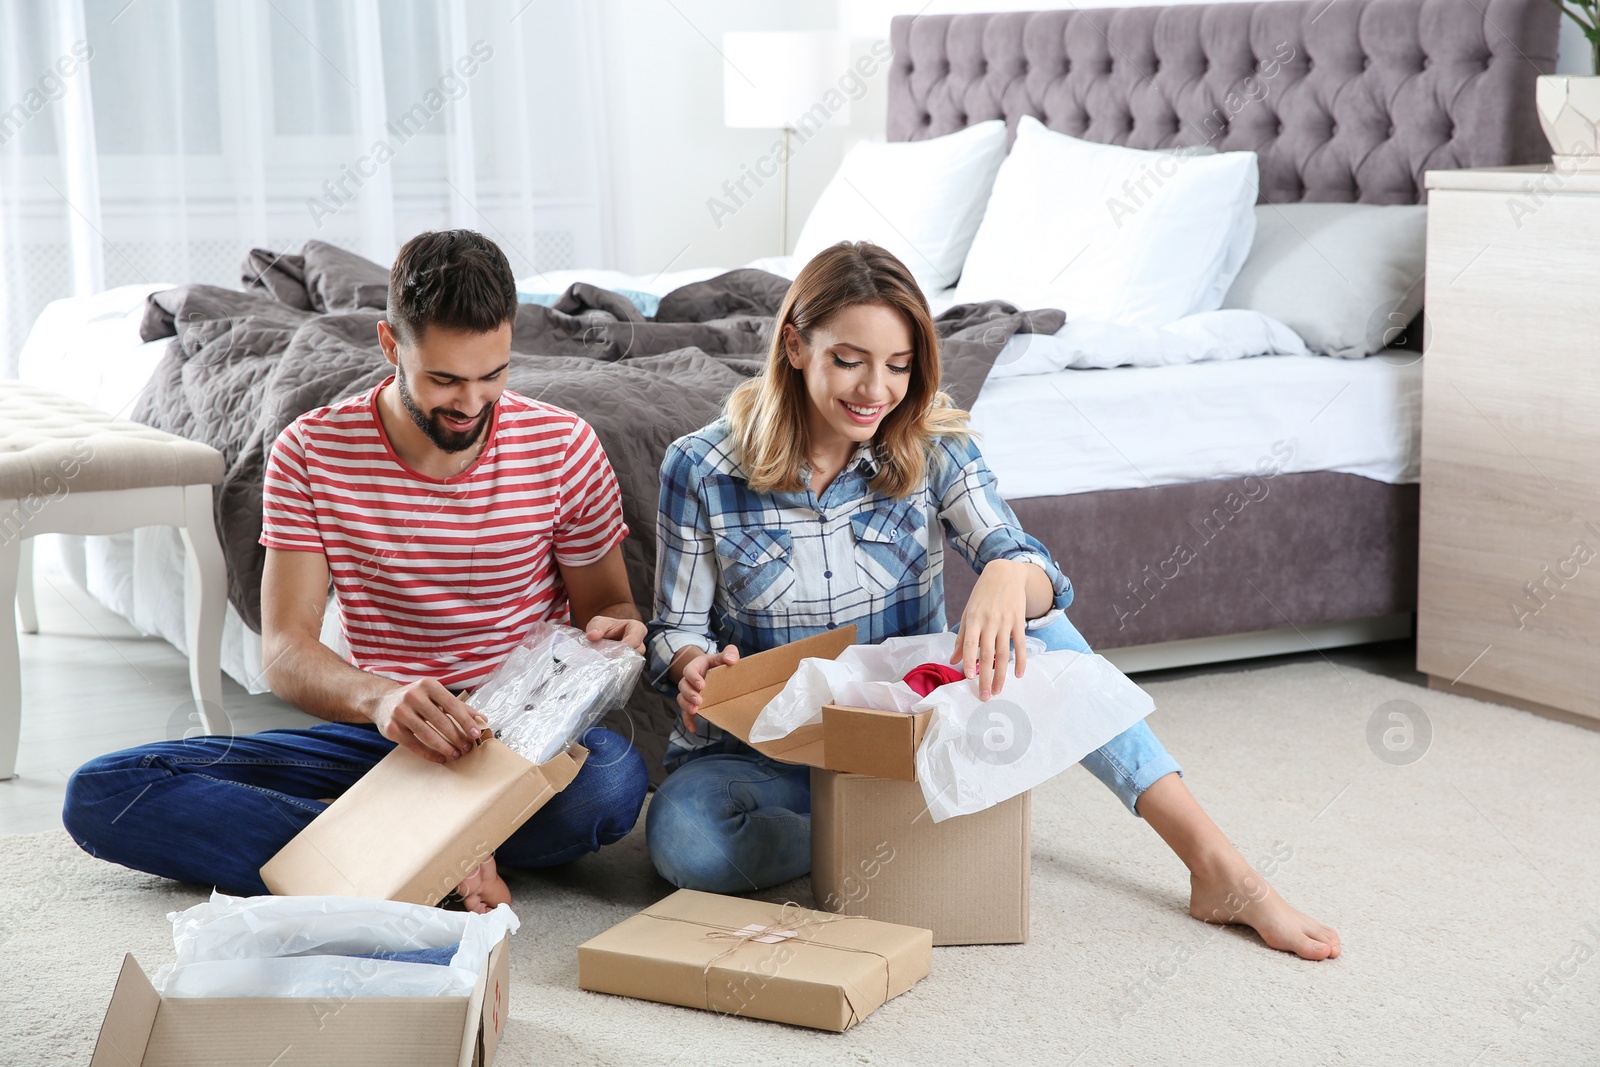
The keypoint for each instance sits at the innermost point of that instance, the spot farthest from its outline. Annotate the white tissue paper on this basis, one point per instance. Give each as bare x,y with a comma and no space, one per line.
864,676
553,687
296,947
975,754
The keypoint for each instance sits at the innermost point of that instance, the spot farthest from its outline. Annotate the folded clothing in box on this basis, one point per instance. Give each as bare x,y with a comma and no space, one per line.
779,962
328,946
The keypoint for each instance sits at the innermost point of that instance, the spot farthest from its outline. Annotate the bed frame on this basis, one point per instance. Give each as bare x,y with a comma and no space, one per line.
1342,100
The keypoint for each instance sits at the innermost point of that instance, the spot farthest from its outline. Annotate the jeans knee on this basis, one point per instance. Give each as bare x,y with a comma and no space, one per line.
685,848
618,779
81,806
74,812
1061,636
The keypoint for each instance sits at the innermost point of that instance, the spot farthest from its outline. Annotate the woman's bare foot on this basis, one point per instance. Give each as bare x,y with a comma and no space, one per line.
483,889
1223,887
1239,895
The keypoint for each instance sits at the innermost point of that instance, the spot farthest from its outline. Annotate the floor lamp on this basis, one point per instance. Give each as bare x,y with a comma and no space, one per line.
783,81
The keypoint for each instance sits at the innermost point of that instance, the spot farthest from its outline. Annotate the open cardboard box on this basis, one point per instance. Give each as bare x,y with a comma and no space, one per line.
144,1029
875,850
410,830
882,744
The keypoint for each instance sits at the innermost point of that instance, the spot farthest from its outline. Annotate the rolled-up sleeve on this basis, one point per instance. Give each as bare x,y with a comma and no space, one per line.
980,524
686,569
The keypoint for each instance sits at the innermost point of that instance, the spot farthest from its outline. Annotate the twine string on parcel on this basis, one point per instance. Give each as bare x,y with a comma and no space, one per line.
781,930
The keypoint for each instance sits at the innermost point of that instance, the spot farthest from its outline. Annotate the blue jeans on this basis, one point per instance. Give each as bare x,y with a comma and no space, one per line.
212,810
730,820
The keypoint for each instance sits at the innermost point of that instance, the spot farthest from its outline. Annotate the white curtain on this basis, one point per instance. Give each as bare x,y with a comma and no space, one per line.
156,141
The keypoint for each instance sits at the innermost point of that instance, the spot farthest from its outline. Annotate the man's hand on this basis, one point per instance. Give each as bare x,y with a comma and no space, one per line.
602,604
629,631
692,683
428,719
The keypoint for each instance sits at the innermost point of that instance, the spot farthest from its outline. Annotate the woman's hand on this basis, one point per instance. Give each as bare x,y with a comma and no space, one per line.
630,632
996,616
692,682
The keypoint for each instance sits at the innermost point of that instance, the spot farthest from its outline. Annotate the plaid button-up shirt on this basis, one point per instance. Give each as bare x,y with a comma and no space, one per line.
758,570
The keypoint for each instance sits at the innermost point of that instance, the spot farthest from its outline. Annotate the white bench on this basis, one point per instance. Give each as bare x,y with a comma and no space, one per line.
66,467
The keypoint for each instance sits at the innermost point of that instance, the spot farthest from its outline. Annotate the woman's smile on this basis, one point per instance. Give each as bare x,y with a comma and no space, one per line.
862,414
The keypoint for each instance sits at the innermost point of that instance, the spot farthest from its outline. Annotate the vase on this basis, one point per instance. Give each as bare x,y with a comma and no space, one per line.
1569,111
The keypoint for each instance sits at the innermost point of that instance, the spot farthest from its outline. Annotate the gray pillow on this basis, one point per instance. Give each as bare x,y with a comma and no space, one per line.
1346,277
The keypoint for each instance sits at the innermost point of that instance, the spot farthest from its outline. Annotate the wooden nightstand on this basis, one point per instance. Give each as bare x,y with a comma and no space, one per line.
1508,598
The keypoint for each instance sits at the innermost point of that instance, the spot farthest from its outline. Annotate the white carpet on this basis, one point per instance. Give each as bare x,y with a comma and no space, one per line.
1463,886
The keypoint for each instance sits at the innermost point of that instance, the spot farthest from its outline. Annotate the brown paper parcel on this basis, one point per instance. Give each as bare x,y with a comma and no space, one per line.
410,830
697,950
882,744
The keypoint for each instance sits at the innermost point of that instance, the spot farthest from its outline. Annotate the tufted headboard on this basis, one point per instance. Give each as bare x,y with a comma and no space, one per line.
1343,100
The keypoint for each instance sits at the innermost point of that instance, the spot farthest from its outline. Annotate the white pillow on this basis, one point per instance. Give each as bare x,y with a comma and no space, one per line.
921,200
1347,277
1113,234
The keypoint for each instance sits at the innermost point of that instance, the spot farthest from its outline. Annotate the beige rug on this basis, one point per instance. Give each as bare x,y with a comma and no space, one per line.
1463,885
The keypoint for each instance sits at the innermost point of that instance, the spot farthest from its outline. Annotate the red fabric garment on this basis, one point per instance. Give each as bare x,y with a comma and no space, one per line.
930,676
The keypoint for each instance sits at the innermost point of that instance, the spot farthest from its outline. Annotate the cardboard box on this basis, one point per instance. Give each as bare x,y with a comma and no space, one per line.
766,961
875,851
410,830
966,878
144,1029
858,740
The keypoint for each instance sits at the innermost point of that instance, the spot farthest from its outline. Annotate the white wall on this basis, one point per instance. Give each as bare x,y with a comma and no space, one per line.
667,154
668,151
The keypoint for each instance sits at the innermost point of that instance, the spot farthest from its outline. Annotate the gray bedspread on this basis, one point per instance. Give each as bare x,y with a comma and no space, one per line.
244,364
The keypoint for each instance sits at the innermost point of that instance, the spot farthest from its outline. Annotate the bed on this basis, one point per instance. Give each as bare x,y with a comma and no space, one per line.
1205,511
1377,93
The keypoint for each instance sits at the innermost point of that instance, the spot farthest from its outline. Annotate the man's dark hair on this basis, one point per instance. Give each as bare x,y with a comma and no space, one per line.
457,279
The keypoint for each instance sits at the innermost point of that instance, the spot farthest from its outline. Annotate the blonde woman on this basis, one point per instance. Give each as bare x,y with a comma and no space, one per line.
819,500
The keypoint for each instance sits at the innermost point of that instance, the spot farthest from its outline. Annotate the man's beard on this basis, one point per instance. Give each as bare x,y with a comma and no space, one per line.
432,425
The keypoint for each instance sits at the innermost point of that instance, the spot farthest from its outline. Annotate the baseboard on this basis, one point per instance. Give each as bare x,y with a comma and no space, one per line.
1188,653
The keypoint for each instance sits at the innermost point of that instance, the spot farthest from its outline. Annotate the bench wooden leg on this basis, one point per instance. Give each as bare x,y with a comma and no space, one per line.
205,599
10,665
27,608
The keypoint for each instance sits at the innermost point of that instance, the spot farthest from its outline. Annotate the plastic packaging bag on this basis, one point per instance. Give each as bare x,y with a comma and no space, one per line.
554,686
975,754
308,947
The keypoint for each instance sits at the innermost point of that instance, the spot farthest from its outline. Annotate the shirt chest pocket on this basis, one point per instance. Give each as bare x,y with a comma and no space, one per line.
891,544
757,571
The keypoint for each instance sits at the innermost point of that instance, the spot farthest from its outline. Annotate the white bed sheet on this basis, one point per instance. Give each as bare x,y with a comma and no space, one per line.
88,348
1078,431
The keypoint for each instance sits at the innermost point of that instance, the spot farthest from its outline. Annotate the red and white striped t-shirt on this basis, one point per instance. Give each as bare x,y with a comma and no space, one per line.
441,579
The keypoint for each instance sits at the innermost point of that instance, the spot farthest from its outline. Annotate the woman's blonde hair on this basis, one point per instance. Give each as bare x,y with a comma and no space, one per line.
767,415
